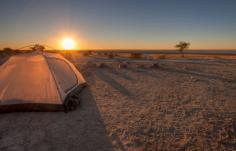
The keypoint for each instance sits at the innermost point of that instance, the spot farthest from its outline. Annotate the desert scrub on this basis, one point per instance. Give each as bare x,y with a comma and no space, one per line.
110,55
161,57
135,55
87,53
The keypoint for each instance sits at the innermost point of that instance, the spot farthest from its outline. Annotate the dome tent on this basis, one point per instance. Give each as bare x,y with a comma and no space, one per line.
39,81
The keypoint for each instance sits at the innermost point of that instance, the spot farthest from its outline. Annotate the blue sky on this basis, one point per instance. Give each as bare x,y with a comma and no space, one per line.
119,24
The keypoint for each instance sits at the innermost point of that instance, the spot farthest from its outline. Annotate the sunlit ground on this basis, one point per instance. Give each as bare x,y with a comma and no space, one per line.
173,106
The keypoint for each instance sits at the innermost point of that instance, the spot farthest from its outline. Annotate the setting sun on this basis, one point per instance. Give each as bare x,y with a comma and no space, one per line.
68,43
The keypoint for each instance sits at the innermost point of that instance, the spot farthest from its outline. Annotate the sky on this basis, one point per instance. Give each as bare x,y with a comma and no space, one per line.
119,24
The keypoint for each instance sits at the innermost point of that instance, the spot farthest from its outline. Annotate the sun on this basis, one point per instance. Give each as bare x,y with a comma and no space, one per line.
68,43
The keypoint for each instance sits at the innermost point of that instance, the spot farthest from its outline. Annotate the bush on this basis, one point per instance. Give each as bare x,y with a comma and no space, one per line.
102,65
87,53
135,55
17,51
90,64
123,65
110,56
8,50
217,57
161,57
155,65
38,47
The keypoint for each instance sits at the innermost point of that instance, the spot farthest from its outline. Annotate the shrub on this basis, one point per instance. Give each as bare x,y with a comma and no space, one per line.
155,65
217,57
87,53
161,57
17,51
90,64
123,65
135,55
7,50
110,55
38,47
102,65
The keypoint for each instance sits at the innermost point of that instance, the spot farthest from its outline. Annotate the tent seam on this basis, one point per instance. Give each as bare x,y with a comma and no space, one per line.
50,70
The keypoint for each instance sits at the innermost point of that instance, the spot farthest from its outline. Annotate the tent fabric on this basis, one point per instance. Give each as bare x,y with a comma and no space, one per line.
38,79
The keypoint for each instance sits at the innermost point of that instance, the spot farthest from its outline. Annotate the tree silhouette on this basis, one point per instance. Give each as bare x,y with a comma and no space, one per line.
38,47
7,50
182,46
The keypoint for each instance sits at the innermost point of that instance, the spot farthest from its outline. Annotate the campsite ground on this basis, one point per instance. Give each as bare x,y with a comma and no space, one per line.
180,105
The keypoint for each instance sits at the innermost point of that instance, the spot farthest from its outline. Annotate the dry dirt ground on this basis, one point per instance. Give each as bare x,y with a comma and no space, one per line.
177,106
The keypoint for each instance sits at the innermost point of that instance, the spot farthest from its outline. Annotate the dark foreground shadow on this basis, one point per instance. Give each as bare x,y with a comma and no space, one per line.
82,129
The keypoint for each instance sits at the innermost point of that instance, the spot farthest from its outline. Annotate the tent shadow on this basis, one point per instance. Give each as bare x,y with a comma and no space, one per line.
82,129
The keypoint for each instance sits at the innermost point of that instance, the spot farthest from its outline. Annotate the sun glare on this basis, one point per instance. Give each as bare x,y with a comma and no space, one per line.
68,44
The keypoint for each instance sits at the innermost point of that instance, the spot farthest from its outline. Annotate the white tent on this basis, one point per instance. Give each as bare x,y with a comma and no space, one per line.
38,81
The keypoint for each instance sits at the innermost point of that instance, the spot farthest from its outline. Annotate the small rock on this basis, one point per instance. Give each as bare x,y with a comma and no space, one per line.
155,65
193,79
101,65
122,65
90,64
141,66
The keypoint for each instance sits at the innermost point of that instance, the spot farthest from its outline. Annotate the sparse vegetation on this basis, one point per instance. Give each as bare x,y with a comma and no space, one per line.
110,56
135,55
123,65
102,65
7,50
17,51
86,53
10,51
38,47
161,57
182,45
217,57
155,65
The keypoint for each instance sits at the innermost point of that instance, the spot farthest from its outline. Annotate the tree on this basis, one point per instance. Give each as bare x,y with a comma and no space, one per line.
7,50
38,47
182,46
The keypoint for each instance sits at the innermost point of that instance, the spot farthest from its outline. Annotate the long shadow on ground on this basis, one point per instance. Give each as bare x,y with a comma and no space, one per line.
120,74
194,73
187,72
82,129
106,78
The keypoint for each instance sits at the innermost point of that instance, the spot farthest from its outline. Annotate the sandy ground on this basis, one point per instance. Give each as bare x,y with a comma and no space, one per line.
178,106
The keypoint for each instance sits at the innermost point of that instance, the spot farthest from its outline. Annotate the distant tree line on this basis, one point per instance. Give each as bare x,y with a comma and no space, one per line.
10,50
35,47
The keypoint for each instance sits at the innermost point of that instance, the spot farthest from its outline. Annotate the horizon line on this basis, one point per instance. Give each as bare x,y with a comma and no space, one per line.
130,49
